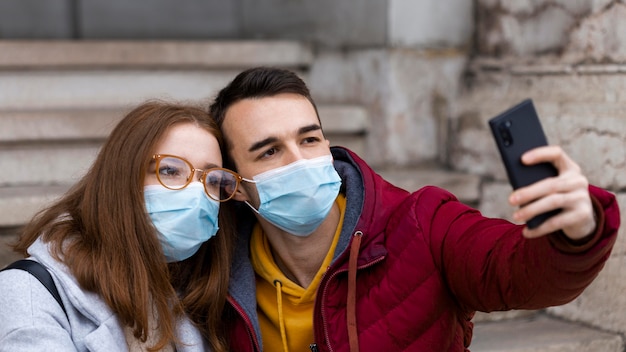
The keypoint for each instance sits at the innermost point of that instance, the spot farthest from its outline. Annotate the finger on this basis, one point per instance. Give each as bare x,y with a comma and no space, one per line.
545,228
532,192
576,224
577,199
565,183
553,154
540,206
575,218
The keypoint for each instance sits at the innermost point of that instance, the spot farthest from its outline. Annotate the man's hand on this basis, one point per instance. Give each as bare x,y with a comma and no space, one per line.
568,191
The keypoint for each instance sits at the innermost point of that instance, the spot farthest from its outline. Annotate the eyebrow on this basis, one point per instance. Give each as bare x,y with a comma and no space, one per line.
262,143
205,166
209,166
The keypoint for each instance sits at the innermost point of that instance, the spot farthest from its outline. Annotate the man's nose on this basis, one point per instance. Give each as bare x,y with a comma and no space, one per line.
293,154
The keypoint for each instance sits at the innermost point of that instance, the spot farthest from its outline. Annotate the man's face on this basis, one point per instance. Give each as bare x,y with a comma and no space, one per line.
271,132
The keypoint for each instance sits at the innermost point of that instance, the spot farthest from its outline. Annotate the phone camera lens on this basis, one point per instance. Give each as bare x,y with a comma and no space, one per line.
505,133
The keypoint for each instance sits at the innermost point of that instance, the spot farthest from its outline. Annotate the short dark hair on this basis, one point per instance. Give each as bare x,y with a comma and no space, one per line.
257,82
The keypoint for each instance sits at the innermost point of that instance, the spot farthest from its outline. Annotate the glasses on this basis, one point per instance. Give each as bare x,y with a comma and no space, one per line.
174,172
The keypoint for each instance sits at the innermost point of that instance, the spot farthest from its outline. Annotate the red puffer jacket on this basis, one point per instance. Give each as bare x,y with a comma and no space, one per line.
412,269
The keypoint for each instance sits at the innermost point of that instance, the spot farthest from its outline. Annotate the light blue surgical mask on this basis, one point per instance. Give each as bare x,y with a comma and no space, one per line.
297,197
184,218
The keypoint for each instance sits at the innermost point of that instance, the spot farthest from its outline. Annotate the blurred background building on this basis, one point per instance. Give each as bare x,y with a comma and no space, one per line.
409,85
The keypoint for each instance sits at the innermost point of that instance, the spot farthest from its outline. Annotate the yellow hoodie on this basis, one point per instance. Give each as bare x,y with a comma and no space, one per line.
285,308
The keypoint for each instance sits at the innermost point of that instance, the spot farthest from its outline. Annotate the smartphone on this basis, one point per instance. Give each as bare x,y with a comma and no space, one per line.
516,131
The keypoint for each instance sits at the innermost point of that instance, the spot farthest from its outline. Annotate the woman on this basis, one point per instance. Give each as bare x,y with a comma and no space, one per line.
128,246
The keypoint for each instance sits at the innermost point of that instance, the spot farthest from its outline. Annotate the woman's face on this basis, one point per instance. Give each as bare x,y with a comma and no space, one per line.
190,142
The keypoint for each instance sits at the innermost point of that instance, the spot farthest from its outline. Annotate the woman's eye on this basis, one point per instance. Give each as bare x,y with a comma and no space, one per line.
169,171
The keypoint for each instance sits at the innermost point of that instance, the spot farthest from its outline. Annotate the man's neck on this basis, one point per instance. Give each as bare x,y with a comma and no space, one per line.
300,258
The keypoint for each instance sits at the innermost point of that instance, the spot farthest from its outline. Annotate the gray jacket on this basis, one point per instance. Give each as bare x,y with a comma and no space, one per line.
31,319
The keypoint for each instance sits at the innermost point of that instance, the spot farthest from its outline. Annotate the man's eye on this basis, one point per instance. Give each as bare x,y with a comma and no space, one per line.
311,140
269,152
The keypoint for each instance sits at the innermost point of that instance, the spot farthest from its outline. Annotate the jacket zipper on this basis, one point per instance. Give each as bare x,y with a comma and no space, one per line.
323,307
247,322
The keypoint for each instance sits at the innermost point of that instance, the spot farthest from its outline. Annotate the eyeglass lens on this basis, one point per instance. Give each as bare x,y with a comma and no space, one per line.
220,184
175,173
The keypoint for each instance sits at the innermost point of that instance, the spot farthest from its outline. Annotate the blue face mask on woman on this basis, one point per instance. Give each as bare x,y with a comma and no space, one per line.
184,218
297,197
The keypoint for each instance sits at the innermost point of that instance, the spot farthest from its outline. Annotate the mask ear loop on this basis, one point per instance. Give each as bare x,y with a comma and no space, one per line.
245,201
251,207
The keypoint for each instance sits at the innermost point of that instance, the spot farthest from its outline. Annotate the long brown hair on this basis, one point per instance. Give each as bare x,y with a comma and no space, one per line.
101,231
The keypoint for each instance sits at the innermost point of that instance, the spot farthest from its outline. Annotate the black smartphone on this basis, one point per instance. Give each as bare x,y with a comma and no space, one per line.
516,131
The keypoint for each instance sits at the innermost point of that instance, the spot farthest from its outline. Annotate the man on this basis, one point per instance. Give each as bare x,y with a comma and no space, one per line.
335,258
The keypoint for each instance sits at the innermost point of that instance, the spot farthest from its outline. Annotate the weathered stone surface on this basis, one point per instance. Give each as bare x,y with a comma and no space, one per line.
464,186
32,18
19,204
620,245
101,88
494,200
172,54
327,22
7,256
559,31
582,113
526,28
542,334
57,125
481,317
600,38
603,304
409,95
528,7
52,164
442,23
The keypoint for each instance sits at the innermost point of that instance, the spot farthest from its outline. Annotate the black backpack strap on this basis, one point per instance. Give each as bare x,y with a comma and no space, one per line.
41,274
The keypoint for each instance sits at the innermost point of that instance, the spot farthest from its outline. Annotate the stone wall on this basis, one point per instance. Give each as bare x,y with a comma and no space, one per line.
569,57
552,30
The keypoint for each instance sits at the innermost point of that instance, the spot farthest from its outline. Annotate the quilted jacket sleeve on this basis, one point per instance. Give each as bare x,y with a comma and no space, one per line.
488,265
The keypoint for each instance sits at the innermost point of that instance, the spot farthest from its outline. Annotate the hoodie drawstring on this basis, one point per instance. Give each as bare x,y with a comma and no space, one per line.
353,334
281,318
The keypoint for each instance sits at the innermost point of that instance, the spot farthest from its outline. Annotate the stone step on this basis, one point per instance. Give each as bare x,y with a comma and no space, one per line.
542,334
96,123
465,187
57,146
19,204
42,163
125,54
101,88
113,74
41,126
